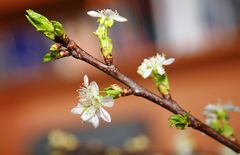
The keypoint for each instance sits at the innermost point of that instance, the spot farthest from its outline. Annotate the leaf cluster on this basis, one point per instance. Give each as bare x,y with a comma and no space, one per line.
50,29
179,121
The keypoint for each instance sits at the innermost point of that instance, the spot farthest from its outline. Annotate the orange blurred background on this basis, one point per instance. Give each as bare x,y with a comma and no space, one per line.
36,98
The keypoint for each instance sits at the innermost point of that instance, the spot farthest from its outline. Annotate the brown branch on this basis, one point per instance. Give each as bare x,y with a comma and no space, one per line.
126,92
138,90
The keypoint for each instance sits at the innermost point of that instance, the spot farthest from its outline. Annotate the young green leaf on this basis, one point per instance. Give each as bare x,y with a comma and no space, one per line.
113,91
216,125
51,56
58,28
217,118
227,130
41,23
222,114
179,121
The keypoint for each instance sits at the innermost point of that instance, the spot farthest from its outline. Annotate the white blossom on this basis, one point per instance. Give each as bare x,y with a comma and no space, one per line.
212,108
90,105
210,111
154,63
231,107
107,13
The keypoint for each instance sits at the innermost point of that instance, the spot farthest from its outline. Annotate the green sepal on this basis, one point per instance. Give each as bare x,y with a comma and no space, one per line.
162,83
51,56
179,121
105,42
216,125
109,22
113,91
41,23
58,28
106,45
102,20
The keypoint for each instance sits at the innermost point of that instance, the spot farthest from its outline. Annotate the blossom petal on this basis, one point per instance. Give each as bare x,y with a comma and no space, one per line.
145,69
120,18
78,109
160,70
229,107
95,121
94,88
168,61
147,73
88,114
107,101
160,58
86,82
94,14
104,115
211,108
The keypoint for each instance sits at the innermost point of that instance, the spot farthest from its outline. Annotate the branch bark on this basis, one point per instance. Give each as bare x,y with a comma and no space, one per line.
140,91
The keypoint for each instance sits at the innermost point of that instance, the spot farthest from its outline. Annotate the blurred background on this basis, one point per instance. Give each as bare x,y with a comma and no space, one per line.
36,99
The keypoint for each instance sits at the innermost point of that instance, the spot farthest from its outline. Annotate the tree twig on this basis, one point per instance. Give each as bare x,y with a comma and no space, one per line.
140,91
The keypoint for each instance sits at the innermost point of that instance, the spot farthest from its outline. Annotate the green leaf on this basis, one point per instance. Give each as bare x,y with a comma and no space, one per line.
113,91
216,125
51,56
179,121
223,128
58,28
227,130
41,23
222,114
50,35
47,57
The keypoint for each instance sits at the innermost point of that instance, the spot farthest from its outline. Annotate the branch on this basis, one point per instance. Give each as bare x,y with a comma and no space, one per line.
137,90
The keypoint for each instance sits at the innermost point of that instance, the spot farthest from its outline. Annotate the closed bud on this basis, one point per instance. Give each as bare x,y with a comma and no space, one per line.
54,47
